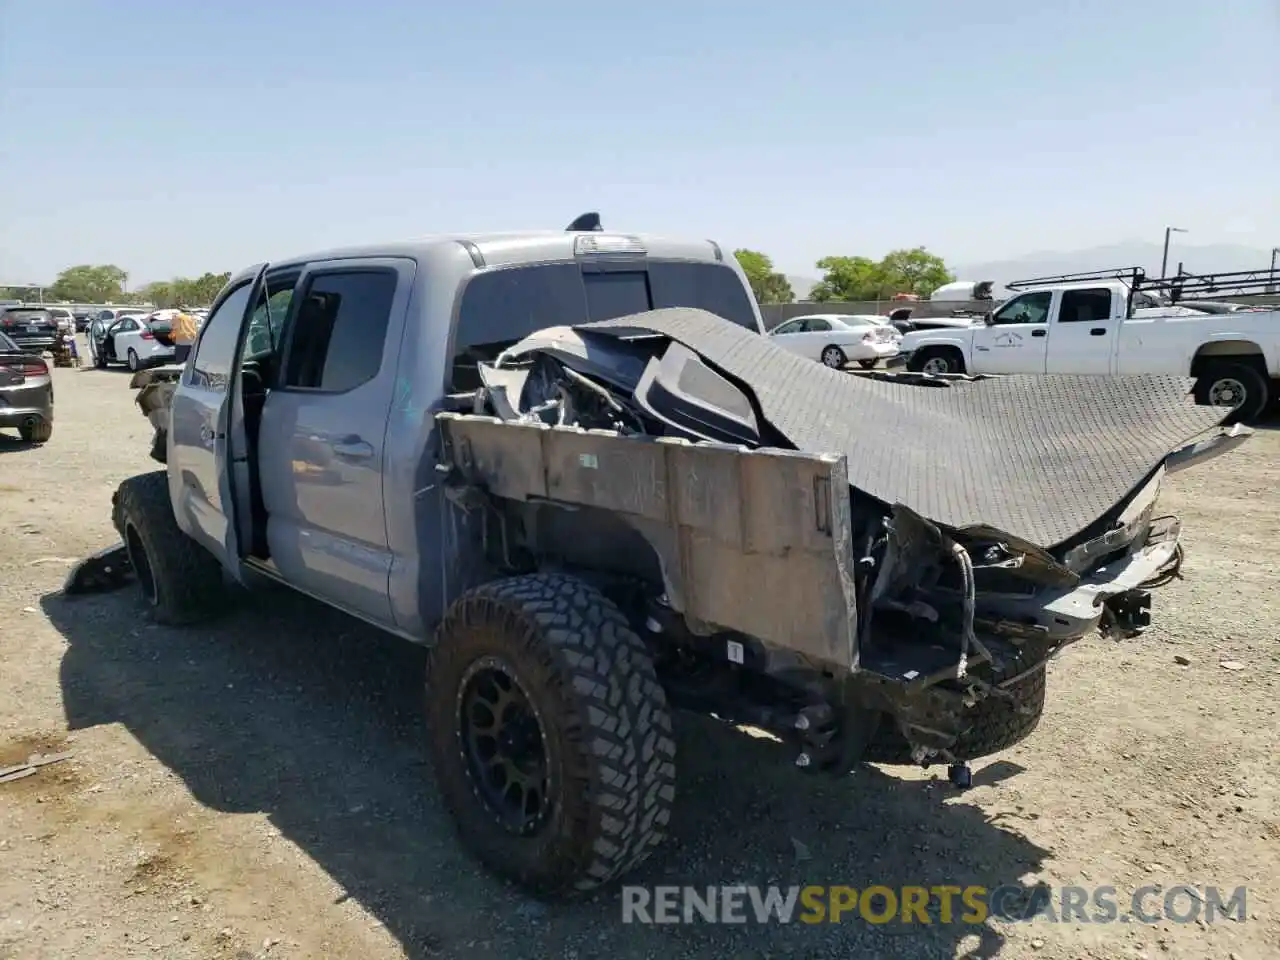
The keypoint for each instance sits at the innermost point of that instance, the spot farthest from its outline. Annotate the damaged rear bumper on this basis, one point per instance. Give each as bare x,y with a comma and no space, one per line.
766,551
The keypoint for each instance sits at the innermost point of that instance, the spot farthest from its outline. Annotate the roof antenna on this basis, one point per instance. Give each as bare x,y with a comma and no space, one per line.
588,222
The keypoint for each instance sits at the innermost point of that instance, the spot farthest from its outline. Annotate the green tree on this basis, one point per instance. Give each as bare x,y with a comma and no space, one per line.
914,271
767,285
88,283
158,292
901,271
846,278
186,291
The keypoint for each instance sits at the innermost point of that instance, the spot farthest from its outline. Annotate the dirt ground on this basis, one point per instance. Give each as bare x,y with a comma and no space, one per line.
258,788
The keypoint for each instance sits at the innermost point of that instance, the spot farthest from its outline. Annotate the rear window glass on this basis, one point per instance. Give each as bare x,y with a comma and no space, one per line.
502,306
28,316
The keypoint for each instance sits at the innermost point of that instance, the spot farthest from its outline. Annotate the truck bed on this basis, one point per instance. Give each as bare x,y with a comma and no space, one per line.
1043,458
736,529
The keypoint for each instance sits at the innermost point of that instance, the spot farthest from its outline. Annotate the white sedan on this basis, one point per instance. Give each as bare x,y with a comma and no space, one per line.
139,340
835,339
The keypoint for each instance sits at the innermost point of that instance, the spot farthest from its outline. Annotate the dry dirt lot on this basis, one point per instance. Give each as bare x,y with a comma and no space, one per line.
257,788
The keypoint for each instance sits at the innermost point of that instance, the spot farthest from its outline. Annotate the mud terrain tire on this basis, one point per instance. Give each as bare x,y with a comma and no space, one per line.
181,582
998,724
605,732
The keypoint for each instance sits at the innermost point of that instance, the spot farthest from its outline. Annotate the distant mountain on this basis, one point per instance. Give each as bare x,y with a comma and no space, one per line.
1214,258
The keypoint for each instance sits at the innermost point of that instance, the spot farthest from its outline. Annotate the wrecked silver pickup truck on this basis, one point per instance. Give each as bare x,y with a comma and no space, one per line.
593,514
872,567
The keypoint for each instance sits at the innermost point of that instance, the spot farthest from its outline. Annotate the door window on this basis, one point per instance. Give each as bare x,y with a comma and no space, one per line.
266,324
791,326
1028,308
340,329
215,352
1085,306
817,325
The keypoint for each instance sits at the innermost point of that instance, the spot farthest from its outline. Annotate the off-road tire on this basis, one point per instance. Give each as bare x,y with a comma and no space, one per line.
998,723
955,360
1257,387
39,432
181,582
604,719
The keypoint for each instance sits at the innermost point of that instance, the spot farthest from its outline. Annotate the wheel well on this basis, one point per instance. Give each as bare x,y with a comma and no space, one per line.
1232,351
946,348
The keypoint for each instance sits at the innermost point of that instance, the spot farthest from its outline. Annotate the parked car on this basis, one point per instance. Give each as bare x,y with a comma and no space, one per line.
33,328
26,392
97,333
1120,322
64,318
138,340
835,339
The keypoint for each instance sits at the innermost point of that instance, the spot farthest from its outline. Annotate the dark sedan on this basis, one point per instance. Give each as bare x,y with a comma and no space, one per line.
26,392
33,329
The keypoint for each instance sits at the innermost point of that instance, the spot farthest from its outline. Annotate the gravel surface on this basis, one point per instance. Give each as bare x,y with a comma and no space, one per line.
257,788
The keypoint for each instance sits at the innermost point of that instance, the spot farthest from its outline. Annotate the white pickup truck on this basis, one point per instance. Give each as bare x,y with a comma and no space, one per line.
1121,322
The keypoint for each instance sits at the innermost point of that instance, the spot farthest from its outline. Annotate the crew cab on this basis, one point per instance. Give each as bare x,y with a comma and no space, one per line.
1120,322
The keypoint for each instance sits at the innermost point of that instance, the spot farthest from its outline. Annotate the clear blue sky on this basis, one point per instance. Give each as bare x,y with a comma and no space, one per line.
172,137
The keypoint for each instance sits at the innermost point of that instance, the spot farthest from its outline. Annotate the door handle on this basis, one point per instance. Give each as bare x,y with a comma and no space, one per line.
1098,332
1038,333
353,447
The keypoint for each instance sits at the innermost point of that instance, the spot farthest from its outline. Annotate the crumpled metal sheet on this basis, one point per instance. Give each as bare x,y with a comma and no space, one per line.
1040,457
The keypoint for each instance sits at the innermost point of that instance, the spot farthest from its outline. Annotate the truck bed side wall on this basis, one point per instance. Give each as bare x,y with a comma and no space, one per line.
754,541
1168,344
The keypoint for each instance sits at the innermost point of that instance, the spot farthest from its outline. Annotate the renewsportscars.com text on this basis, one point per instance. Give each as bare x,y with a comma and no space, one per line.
815,904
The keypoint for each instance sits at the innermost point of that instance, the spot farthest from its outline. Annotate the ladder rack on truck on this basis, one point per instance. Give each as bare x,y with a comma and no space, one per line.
1182,287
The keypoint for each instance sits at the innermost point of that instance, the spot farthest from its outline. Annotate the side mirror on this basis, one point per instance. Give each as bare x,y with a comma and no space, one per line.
989,318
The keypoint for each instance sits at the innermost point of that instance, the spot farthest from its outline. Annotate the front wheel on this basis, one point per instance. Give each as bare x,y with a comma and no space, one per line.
181,582
1236,385
550,735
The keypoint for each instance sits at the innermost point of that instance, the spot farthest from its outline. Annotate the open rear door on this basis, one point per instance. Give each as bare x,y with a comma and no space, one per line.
237,469
201,486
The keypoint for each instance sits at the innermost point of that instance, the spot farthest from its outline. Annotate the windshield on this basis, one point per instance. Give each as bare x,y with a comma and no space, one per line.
502,306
